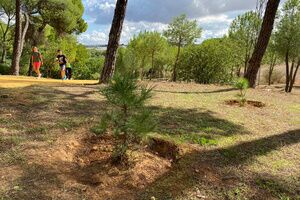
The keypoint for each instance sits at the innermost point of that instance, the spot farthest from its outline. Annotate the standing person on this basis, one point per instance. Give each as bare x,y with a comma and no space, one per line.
69,71
62,61
37,61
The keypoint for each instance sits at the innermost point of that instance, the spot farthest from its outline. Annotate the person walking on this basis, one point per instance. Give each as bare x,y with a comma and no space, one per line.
37,61
62,61
69,71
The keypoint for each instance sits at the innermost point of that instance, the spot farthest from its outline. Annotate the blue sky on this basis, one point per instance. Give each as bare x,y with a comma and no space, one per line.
214,16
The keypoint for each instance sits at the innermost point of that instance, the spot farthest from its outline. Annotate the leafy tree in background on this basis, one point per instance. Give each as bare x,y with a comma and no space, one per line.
7,8
154,43
137,49
181,32
210,62
287,40
145,47
63,16
244,31
271,58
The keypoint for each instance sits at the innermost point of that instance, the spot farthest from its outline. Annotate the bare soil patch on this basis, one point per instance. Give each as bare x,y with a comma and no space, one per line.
256,104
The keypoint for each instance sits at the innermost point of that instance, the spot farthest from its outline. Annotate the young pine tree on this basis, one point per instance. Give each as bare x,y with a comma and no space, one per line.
129,119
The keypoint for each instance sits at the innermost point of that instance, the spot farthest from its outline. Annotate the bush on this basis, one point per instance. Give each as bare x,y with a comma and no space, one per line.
276,77
129,120
242,84
207,63
4,69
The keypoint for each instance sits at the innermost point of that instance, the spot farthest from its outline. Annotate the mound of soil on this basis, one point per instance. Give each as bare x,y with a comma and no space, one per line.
164,148
256,104
95,169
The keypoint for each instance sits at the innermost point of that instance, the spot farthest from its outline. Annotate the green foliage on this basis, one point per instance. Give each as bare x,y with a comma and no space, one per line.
143,53
129,120
242,84
244,32
287,36
207,63
64,16
182,32
198,139
4,69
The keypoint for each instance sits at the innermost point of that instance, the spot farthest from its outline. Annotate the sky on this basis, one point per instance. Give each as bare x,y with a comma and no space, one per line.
213,16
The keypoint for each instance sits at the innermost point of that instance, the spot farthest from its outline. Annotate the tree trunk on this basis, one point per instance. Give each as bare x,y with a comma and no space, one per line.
24,31
15,68
262,42
174,77
113,43
287,67
30,69
293,79
271,69
4,52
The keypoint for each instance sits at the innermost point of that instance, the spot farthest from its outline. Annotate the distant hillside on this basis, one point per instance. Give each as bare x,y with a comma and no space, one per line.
101,46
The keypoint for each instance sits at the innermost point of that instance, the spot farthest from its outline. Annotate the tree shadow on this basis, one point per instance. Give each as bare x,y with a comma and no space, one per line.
36,182
184,175
179,122
42,108
201,92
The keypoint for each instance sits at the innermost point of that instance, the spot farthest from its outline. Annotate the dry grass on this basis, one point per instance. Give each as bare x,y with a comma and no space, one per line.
228,152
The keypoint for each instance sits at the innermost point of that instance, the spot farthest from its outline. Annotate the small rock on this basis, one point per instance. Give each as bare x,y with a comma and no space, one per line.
201,196
153,198
197,170
80,162
4,96
94,148
113,172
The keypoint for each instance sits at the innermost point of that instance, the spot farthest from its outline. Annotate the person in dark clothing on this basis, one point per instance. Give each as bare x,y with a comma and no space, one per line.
62,61
69,71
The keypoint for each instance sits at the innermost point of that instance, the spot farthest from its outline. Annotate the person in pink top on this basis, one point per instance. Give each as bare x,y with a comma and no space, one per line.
37,61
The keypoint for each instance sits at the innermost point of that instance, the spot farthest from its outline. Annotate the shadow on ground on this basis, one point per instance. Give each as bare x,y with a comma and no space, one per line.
200,92
174,121
185,174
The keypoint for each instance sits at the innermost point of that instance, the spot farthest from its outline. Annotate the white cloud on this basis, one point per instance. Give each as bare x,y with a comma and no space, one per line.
93,38
164,10
129,30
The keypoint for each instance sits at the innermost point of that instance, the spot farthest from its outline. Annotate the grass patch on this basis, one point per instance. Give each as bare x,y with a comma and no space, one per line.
71,123
197,139
35,130
276,189
237,193
12,157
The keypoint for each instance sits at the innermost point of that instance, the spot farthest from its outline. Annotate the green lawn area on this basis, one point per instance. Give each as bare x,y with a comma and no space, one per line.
47,149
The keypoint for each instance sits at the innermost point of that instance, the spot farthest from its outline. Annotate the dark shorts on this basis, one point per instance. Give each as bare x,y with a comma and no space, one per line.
62,67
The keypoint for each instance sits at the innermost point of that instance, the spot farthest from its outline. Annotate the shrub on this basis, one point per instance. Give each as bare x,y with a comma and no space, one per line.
129,119
210,62
242,84
275,78
4,69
